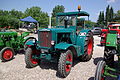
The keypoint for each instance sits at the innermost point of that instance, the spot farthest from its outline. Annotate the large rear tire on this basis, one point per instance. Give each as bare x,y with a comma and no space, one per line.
30,62
88,47
7,54
99,74
65,63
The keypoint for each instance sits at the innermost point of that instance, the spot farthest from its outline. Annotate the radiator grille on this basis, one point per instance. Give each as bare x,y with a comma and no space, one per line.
45,38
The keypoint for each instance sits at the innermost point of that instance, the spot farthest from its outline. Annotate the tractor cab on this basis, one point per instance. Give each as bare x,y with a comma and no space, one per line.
75,20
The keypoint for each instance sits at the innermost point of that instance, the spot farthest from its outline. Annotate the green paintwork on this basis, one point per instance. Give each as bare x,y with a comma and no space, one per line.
12,39
24,34
107,72
112,39
8,33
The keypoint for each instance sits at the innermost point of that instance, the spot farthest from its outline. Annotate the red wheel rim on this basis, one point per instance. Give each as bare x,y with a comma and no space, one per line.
34,61
68,62
8,54
90,46
102,72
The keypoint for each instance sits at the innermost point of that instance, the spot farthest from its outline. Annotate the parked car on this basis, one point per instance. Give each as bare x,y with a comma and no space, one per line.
96,30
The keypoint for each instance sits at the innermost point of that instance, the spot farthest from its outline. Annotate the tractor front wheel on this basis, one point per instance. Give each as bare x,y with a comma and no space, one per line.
6,54
30,62
65,63
99,75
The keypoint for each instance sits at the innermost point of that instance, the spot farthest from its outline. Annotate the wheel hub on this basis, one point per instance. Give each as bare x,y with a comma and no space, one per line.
7,54
68,62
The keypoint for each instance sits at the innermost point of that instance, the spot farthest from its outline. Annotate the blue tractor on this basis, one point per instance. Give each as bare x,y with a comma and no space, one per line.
62,44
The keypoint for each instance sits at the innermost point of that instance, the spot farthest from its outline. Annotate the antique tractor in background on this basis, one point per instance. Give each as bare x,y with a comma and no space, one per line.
61,44
107,69
10,42
103,36
105,31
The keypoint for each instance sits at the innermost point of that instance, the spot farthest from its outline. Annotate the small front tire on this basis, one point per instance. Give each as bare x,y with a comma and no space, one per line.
30,62
99,75
7,54
65,63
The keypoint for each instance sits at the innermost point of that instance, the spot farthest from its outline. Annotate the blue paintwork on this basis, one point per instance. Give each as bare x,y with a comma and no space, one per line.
63,46
60,34
81,41
30,43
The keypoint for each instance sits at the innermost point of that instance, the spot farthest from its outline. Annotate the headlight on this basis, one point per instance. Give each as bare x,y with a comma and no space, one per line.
52,42
83,34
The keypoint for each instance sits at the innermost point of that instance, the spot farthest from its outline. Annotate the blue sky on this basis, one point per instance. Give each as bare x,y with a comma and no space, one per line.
93,7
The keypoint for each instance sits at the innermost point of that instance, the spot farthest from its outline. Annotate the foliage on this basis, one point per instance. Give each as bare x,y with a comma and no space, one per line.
109,15
103,19
37,14
10,18
56,9
100,21
89,24
117,16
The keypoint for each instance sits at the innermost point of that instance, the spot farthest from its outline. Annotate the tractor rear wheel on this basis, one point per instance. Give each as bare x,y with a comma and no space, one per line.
99,74
7,54
109,57
88,47
65,63
30,62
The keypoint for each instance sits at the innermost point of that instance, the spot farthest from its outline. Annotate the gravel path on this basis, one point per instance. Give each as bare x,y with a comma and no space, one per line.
16,70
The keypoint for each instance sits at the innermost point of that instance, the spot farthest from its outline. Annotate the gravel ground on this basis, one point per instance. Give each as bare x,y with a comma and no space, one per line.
16,69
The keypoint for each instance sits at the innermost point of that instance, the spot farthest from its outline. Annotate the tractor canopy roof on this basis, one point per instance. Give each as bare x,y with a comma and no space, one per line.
81,13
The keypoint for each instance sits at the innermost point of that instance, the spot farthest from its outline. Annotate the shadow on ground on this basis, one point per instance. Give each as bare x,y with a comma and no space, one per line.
99,45
91,78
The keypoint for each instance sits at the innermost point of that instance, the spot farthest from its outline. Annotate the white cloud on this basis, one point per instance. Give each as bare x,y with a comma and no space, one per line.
111,1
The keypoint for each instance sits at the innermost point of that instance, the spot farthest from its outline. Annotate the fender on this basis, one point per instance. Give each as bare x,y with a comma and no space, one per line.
63,46
31,42
28,38
111,40
81,39
85,31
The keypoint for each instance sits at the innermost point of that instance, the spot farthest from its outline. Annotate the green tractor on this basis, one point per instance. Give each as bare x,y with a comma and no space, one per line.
10,43
62,44
107,69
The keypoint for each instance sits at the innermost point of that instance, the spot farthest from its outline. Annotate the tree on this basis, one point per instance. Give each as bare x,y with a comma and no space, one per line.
111,14
15,13
107,18
37,14
56,9
117,16
99,18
